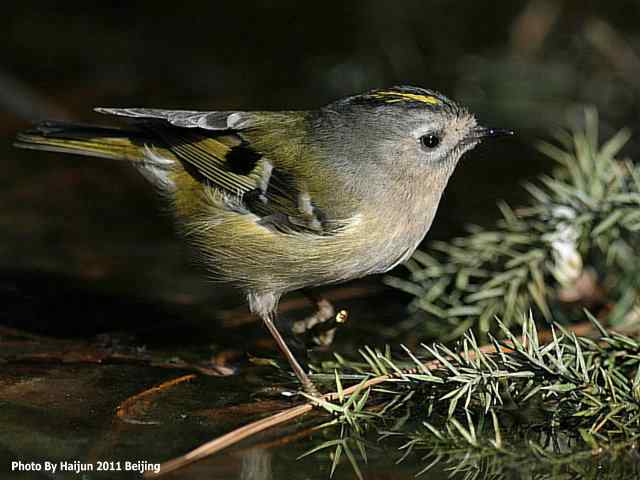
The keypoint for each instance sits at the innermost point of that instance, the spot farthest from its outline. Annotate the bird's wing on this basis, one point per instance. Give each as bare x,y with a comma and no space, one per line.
213,150
225,120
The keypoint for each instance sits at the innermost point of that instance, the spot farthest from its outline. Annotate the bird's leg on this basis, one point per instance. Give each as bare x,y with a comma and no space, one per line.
324,316
306,382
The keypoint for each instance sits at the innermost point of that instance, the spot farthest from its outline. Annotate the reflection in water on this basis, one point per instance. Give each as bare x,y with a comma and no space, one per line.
256,465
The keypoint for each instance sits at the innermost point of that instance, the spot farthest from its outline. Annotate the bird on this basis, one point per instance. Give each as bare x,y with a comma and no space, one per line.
279,201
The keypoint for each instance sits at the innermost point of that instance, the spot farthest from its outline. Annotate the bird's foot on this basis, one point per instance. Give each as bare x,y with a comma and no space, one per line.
320,328
310,389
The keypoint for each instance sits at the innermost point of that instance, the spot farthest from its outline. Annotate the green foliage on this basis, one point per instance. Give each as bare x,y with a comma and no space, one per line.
352,420
476,450
559,408
583,223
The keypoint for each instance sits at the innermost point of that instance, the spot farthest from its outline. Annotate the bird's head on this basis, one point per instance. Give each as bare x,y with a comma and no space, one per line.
402,127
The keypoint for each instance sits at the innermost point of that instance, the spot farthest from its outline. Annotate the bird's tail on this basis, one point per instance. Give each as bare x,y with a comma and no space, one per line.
90,140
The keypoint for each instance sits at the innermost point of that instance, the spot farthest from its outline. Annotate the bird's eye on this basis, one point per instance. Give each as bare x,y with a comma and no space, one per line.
430,141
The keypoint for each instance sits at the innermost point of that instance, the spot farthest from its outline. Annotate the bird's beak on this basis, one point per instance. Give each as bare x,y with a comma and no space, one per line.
480,133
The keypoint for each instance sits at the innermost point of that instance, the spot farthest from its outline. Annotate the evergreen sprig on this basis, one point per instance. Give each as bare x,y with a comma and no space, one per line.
574,397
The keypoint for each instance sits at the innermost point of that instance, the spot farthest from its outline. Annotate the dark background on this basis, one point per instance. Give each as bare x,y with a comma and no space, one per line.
531,65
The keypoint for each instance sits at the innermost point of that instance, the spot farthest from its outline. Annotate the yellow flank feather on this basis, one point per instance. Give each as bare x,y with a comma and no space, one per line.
404,96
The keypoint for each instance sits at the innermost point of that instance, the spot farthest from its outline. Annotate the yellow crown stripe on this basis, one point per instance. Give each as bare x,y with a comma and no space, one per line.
408,96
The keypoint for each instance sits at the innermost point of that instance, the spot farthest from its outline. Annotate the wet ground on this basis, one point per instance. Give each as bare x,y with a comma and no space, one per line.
135,397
